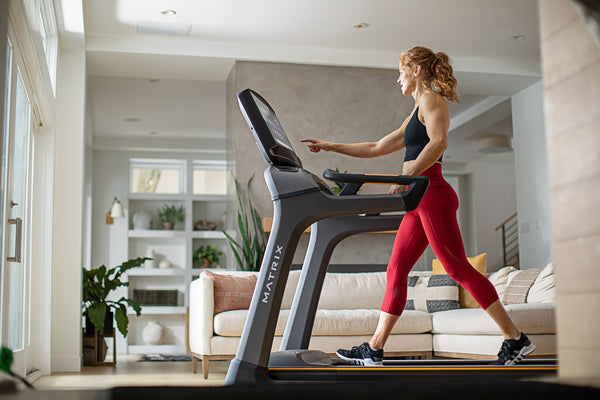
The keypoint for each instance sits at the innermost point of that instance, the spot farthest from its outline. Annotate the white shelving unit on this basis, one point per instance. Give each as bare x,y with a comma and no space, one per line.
177,246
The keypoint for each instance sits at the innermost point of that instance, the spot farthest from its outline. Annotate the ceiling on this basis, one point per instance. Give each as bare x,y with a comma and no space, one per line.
143,65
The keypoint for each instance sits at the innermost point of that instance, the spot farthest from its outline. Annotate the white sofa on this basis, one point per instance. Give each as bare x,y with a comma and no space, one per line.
349,309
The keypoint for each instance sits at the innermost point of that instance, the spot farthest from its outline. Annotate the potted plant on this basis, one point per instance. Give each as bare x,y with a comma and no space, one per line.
205,256
250,250
98,283
168,215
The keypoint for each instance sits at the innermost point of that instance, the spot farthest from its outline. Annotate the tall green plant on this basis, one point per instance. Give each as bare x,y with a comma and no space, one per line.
249,252
98,283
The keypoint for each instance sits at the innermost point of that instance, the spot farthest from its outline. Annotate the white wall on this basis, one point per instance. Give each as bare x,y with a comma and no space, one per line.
492,179
531,165
67,219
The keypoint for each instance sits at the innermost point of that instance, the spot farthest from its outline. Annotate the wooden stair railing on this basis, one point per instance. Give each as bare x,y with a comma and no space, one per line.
510,240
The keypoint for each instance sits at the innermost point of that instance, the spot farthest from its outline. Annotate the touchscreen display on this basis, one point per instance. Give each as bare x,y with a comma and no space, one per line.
272,123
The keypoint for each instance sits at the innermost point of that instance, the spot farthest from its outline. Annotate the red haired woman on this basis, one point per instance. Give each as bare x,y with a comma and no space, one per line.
428,78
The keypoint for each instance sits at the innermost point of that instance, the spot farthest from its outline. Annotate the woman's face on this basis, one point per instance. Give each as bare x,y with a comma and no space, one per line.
406,79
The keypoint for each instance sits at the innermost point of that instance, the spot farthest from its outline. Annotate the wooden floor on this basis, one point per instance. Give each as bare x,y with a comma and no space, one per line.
131,372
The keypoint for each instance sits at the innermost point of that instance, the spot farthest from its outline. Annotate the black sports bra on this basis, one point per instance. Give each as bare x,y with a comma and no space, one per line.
415,138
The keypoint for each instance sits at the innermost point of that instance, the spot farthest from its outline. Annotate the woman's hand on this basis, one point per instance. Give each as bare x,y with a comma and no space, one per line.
316,145
395,189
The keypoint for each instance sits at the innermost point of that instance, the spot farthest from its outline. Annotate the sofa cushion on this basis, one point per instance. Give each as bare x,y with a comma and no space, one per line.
343,291
232,292
543,289
478,262
518,287
330,322
530,318
467,345
432,293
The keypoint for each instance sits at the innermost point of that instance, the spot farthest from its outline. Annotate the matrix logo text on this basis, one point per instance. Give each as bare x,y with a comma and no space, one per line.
273,270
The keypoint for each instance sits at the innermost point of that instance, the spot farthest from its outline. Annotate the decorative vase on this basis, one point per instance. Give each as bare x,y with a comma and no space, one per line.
150,263
165,264
141,220
152,333
206,263
168,226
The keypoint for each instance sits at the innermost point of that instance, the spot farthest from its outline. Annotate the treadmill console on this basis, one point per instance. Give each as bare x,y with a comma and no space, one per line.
270,137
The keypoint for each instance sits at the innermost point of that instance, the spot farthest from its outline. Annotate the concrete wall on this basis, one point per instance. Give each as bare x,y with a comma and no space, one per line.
571,65
350,105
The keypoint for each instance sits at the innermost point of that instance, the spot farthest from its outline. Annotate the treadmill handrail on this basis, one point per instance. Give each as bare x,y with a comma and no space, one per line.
373,178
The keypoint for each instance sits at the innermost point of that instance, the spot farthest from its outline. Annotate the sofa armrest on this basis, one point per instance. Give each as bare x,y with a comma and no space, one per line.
201,314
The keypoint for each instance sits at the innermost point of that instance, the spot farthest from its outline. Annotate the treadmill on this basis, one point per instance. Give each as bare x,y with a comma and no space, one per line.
301,199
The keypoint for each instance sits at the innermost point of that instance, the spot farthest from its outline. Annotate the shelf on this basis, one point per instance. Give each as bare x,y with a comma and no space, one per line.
208,235
159,310
155,233
209,197
156,196
158,348
156,272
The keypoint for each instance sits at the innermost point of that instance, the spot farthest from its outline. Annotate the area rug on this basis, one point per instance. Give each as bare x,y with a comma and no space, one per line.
165,357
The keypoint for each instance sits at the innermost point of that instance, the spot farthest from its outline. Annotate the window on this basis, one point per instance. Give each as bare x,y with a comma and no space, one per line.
49,33
209,177
157,176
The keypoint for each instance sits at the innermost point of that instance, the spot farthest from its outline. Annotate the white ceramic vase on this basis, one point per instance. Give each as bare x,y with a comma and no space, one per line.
165,264
152,333
141,220
150,263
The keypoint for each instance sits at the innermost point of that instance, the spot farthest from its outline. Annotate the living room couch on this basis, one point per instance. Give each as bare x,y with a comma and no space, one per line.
433,324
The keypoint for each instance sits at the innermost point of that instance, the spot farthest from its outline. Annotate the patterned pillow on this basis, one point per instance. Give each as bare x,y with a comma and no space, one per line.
432,293
518,288
232,292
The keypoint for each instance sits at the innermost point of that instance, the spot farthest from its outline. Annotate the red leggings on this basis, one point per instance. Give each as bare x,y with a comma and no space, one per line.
433,222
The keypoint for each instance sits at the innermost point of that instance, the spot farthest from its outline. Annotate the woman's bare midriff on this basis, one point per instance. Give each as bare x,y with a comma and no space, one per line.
406,166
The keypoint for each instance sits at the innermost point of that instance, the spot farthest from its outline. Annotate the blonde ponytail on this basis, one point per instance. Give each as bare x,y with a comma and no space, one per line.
437,69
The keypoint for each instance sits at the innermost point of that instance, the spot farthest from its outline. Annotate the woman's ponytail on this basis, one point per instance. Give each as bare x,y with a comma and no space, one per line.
437,68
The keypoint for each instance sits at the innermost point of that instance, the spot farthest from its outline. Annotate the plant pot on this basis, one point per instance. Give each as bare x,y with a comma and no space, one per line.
206,263
168,226
108,324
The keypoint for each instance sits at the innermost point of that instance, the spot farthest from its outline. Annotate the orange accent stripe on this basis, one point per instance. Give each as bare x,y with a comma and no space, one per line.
500,368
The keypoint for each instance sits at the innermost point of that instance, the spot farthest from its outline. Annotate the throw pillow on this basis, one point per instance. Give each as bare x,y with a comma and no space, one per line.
543,289
517,289
501,278
479,263
232,292
432,293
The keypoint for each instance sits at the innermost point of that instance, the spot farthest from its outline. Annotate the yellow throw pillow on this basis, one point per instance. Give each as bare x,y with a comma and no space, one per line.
479,263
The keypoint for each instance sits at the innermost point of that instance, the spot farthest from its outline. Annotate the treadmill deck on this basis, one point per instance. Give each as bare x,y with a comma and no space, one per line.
397,369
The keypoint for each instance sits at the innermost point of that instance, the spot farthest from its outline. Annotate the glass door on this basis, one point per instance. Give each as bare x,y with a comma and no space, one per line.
15,224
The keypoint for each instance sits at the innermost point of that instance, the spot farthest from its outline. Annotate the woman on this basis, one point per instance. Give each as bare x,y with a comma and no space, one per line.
427,77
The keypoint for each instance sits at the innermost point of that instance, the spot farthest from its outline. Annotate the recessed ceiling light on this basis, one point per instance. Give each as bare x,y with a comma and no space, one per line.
517,37
361,25
168,12
132,119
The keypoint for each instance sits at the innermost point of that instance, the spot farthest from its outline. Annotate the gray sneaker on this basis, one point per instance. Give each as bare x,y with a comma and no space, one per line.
513,351
362,355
